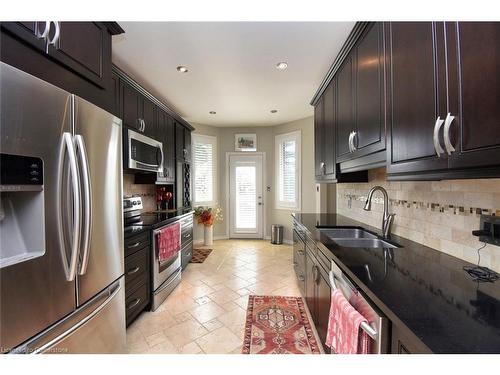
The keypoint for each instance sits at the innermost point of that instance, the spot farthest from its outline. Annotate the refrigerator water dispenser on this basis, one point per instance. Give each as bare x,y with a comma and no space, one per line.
22,232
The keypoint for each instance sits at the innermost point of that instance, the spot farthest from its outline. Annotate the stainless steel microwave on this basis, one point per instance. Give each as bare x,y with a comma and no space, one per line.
141,152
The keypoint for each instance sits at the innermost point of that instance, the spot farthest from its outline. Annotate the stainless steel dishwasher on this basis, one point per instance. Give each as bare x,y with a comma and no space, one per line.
377,325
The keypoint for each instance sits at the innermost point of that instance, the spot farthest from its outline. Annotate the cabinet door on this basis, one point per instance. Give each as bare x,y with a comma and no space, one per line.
167,133
323,297
150,119
417,94
310,294
116,92
85,47
345,108
27,31
130,107
318,139
474,70
329,131
187,145
179,141
370,113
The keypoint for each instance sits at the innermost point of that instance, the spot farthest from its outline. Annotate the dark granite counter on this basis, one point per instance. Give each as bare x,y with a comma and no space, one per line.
419,288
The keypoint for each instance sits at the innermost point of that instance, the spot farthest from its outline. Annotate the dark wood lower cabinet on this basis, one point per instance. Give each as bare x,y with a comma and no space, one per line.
317,295
404,342
137,274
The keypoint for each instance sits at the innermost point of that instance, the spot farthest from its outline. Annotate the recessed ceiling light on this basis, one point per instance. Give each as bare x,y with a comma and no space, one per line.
182,69
274,110
212,112
281,65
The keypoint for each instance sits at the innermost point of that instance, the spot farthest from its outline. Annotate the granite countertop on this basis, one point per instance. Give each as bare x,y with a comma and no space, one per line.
419,288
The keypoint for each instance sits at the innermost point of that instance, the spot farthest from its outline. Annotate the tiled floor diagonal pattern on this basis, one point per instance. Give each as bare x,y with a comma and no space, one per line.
206,312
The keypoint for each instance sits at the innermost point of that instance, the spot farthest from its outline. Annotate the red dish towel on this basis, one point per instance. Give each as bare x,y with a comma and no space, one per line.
344,335
168,241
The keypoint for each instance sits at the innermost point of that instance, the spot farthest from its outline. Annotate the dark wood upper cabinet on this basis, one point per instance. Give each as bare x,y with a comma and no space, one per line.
82,46
318,139
131,107
182,143
369,91
345,108
329,131
474,89
149,118
417,89
166,134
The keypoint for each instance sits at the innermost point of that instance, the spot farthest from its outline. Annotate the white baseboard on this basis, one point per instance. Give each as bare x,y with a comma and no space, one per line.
200,241
266,238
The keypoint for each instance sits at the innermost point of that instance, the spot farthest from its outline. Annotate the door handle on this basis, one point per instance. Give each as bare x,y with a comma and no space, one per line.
67,145
133,304
45,32
350,142
354,136
133,270
57,33
435,137
447,143
87,188
134,245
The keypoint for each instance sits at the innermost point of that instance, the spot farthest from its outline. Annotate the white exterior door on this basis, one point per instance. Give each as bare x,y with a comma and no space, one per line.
245,200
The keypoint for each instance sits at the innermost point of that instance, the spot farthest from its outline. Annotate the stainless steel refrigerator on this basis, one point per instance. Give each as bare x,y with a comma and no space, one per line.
61,221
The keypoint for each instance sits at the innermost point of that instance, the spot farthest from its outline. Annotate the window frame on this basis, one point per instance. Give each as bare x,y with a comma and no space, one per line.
278,141
202,138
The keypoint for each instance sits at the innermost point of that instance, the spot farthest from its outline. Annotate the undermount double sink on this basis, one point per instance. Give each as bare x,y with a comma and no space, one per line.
354,237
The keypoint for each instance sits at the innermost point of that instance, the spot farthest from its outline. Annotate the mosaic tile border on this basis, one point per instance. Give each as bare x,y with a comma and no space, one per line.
431,206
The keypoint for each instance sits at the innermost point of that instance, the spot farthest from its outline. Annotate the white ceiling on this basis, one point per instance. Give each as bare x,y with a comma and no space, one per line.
232,67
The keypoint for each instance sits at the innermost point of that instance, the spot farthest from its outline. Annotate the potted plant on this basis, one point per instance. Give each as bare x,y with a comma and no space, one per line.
207,216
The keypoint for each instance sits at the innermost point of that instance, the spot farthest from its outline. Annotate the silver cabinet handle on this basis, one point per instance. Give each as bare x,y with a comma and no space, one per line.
134,245
143,125
447,143
67,145
350,142
133,304
354,136
55,38
322,167
162,157
42,35
437,145
87,203
133,270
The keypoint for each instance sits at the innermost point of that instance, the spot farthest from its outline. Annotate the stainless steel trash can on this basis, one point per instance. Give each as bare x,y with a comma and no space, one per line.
277,234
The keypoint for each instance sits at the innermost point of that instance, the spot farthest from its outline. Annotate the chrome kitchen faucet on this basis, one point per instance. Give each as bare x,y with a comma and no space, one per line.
387,218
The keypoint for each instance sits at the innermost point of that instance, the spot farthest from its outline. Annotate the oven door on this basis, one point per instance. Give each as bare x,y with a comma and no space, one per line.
162,270
143,153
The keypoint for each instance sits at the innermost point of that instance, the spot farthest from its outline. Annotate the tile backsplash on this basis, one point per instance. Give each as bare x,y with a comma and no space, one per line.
147,192
439,214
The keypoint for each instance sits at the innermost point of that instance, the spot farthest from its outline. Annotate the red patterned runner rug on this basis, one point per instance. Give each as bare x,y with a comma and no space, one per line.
199,255
278,325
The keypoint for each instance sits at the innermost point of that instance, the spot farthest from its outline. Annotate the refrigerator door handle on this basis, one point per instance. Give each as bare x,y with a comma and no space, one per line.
67,145
87,203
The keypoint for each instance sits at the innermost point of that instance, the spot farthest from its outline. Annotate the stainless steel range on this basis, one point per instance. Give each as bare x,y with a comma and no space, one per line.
166,273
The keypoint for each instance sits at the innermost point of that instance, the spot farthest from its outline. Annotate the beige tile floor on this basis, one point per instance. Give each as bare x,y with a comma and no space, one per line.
206,312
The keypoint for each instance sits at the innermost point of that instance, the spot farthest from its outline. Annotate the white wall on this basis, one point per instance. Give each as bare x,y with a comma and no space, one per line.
265,143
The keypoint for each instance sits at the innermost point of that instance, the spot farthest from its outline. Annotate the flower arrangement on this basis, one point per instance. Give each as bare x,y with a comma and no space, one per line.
208,215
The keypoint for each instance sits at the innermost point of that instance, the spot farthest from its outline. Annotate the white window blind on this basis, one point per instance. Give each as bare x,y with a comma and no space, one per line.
205,176
288,170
